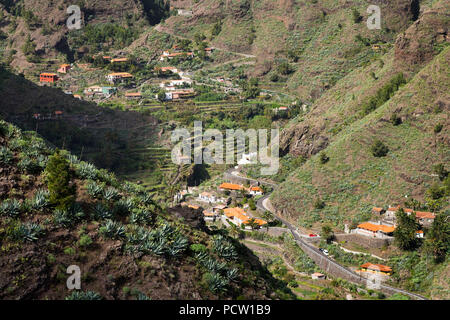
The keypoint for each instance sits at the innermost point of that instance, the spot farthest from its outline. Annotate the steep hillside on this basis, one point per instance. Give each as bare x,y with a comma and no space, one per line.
321,40
41,26
354,180
126,246
101,135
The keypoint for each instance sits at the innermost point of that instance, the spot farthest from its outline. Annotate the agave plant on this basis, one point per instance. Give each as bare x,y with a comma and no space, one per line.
138,235
73,159
87,295
94,189
142,296
40,200
100,212
178,246
10,208
28,232
111,194
112,230
87,171
224,248
141,216
6,156
232,274
68,218
217,284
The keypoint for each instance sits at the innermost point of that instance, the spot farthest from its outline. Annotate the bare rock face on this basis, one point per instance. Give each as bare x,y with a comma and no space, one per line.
418,44
302,140
193,217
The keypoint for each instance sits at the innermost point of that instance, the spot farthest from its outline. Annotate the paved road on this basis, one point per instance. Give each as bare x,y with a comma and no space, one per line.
312,251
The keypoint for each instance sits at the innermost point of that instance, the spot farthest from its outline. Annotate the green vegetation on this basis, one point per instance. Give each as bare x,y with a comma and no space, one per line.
405,233
59,182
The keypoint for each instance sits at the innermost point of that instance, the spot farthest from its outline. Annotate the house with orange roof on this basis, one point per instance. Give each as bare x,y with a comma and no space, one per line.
419,234
133,95
378,211
209,216
48,77
423,217
259,222
376,268
255,191
375,230
239,217
169,69
64,68
119,60
231,187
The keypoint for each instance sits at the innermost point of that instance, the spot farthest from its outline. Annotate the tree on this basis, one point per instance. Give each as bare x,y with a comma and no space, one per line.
285,68
438,238
59,176
252,223
440,170
251,204
405,233
217,28
327,233
379,149
161,95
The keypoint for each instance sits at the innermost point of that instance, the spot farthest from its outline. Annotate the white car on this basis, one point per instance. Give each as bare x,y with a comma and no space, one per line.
324,251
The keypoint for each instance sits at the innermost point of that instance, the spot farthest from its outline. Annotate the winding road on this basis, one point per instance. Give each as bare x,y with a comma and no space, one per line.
332,267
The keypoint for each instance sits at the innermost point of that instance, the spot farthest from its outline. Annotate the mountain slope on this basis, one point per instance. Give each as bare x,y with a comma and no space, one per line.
126,246
354,180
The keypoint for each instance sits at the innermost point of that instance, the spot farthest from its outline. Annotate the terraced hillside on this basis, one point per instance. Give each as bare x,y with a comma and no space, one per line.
322,41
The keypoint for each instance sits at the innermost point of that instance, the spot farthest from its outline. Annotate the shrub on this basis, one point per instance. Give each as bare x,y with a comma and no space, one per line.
396,120
324,158
384,94
6,156
197,248
379,149
319,204
85,241
437,129
357,18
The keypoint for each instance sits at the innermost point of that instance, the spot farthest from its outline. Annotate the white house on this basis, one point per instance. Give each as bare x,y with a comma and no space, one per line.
255,191
207,197
375,230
